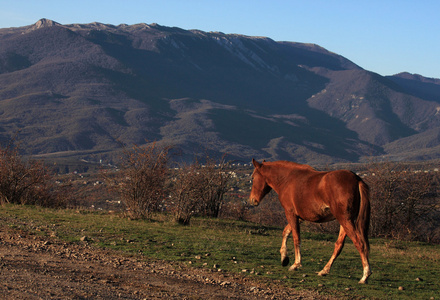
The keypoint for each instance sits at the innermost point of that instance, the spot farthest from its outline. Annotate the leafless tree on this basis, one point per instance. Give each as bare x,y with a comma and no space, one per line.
141,179
405,202
216,179
198,189
25,181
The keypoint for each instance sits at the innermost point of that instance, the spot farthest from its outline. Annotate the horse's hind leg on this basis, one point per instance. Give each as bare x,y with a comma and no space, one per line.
338,248
284,257
361,244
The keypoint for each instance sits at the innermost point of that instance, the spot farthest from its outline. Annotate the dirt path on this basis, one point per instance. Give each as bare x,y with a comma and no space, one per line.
35,268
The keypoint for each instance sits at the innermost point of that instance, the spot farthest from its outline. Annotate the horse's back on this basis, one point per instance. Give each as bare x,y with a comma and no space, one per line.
341,192
342,177
339,184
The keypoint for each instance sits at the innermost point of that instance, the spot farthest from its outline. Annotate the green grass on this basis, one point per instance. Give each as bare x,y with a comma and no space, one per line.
236,246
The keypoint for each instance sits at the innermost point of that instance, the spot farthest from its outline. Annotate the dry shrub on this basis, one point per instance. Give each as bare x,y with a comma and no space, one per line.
404,202
235,208
185,193
141,180
216,183
26,181
198,190
269,212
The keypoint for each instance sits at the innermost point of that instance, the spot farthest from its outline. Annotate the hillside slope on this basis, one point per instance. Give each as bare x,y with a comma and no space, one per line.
83,89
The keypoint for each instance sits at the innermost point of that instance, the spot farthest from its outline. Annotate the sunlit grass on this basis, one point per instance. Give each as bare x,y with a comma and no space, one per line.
245,248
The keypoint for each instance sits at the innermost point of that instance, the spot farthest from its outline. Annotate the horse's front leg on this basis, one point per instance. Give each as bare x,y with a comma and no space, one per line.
294,224
284,257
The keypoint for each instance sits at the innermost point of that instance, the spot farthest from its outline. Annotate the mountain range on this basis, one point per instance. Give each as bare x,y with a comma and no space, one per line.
83,90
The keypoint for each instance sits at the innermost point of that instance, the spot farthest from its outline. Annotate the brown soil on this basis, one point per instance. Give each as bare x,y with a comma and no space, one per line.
33,267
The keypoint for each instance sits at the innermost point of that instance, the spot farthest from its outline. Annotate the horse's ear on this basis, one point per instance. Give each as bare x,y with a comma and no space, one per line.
256,164
264,160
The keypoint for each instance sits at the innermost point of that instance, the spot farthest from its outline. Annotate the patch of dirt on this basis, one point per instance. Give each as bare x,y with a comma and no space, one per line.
33,267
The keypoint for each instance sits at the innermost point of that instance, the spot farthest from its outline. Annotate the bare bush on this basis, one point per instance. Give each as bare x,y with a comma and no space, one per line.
198,190
26,181
184,193
216,180
235,208
141,180
269,212
405,202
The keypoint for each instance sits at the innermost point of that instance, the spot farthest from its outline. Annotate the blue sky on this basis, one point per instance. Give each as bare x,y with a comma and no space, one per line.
383,36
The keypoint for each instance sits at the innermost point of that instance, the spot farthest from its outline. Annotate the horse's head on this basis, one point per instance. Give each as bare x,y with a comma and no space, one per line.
260,188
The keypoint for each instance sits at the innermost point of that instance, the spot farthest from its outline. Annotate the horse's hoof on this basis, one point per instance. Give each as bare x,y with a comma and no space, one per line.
367,273
322,273
364,280
294,267
285,261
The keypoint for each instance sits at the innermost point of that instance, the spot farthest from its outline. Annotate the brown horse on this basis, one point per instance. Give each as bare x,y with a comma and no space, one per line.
307,194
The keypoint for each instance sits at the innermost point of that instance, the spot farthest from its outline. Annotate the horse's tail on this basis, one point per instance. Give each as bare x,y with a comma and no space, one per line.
363,219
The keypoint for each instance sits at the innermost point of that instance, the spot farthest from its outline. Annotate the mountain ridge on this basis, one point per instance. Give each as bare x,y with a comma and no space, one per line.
90,87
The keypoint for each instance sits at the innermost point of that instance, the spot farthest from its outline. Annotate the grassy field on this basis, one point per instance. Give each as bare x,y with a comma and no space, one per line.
245,248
